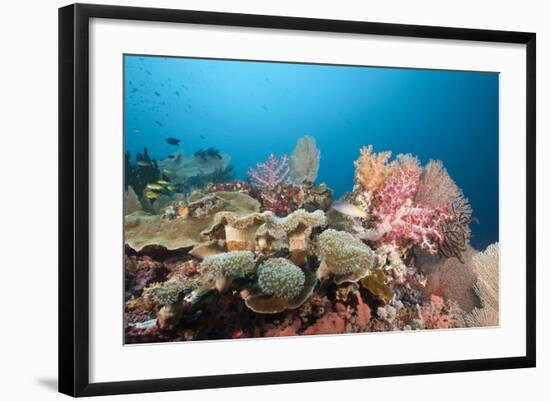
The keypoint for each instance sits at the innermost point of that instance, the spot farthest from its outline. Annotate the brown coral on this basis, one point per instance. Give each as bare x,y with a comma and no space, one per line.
452,279
142,230
131,202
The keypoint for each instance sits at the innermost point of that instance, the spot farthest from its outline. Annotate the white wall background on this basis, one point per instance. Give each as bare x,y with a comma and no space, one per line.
28,197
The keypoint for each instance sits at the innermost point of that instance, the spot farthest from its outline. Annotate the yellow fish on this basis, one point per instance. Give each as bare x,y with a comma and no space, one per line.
151,195
154,187
167,171
171,188
349,210
183,211
162,182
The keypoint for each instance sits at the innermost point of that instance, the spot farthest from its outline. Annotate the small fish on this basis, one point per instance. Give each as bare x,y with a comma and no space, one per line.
182,211
163,182
137,130
167,170
134,90
154,187
171,188
156,93
177,93
172,141
158,123
151,195
143,163
202,136
349,210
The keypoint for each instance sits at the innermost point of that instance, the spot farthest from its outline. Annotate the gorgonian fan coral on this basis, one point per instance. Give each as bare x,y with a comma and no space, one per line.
271,173
437,188
304,163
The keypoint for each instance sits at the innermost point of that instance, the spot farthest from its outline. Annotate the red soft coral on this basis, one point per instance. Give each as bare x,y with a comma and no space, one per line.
271,173
330,323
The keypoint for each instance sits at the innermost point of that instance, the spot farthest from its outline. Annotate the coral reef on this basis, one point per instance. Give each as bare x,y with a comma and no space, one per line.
275,257
304,162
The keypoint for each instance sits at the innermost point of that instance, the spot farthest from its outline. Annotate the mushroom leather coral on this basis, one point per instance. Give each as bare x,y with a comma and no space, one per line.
142,230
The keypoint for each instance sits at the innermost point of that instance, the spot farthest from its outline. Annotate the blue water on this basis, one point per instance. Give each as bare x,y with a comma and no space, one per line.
251,109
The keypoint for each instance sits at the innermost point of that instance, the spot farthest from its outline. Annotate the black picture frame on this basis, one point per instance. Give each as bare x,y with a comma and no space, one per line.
74,198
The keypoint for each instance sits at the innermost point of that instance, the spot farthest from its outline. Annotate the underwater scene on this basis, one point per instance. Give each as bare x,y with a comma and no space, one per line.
271,199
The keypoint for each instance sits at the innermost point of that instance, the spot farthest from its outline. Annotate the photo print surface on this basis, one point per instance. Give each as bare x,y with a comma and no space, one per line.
272,199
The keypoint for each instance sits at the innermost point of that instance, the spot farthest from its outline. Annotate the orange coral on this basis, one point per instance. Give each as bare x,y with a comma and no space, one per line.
331,323
372,169
433,315
363,313
290,330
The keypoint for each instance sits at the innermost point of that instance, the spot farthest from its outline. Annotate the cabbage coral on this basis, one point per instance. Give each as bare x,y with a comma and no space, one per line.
280,278
344,255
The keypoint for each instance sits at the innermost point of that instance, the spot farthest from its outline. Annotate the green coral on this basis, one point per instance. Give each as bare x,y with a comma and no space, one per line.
280,278
229,264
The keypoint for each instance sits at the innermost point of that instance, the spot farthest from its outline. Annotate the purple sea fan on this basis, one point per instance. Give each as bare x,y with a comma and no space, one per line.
271,173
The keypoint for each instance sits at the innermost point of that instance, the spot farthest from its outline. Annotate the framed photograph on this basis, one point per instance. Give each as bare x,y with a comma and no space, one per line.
299,199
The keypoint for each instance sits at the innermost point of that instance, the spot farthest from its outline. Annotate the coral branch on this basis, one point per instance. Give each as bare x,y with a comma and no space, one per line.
271,173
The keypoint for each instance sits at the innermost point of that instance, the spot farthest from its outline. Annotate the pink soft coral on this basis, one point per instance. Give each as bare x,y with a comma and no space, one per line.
404,222
330,323
271,173
434,315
